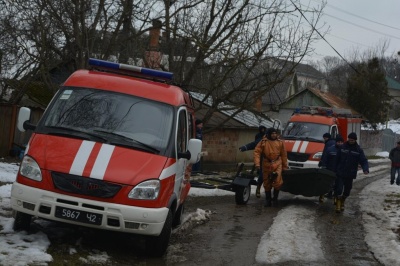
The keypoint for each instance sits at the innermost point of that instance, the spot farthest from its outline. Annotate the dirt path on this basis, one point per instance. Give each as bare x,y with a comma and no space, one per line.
233,233
230,236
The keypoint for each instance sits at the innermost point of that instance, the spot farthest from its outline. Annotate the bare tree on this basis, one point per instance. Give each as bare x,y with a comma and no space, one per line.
233,51
238,50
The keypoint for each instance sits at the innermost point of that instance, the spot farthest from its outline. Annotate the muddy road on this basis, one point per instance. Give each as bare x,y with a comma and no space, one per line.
229,236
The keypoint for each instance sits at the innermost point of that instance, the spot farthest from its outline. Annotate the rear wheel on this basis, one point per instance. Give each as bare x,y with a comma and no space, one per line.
157,245
22,221
242,194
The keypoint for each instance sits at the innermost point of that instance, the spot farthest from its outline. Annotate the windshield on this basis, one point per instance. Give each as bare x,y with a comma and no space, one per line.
305,130
115,118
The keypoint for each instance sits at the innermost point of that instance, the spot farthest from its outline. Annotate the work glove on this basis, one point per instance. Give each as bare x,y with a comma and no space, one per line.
242,149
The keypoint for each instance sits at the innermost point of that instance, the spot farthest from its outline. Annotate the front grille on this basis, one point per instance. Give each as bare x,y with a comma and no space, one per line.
297,157
84,186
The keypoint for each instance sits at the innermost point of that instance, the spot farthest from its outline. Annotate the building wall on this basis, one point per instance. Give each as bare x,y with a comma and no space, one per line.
221,148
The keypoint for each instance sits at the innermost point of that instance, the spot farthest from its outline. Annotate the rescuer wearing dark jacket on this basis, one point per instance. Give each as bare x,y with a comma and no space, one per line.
329,142
348,157
394,156
329,160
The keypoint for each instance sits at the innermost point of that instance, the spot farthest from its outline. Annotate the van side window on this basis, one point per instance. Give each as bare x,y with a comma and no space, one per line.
182,132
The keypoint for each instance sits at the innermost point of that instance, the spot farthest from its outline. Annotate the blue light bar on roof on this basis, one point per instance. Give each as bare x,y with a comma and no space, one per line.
142,70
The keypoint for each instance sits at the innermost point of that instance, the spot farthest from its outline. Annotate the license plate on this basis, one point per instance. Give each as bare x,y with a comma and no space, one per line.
296,164
78,216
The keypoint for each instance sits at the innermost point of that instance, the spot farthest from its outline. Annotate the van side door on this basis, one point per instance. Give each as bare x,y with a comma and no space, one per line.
181,144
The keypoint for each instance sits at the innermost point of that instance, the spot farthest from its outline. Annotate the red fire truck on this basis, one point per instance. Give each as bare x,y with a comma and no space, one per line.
112,151
303,132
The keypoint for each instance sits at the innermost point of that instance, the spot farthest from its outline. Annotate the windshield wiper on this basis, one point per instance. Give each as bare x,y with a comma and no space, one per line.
302,138
80,132
127,139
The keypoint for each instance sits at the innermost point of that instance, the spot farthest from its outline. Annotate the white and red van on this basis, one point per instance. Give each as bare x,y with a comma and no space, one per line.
112,151
303,133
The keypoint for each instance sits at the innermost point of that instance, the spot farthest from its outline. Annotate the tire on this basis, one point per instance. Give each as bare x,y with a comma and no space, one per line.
22,221
242,194
178,217
157,245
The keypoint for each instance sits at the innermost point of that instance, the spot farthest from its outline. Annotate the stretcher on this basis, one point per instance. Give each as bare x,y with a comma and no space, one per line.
306,182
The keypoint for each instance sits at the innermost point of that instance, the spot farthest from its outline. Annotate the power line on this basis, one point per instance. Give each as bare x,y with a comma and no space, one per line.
365,28
349,40
355,15
347,62
358,16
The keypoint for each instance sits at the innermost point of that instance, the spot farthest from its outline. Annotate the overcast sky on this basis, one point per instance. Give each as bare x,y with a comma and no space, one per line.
359,25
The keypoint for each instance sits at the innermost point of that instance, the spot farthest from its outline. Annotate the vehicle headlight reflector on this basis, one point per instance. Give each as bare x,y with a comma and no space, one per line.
317,155
146,190
30,169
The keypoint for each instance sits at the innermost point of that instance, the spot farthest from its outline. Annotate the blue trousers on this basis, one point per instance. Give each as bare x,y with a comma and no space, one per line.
343,185
393,172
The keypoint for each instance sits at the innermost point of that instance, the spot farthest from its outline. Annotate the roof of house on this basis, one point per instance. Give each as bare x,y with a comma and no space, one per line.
243,119
330,99
278,94
392,83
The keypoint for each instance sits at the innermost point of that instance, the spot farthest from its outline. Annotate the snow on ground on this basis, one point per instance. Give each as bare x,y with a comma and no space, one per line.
381,217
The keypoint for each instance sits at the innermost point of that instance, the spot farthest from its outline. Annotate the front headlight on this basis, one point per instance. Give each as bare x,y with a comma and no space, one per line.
30,169
318,155
146,190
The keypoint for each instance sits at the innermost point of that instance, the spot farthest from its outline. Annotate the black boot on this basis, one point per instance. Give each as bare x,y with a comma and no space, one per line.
268,199
342,203
258,191
275,198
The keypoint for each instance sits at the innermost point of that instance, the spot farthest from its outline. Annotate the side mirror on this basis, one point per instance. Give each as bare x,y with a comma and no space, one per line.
24,116
194,149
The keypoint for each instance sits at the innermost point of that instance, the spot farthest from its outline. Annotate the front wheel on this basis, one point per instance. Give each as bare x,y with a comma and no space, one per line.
242,194
22,221
178,216
157,245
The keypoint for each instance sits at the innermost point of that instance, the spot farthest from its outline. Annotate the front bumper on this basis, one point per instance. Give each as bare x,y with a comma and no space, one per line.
302,165
114,217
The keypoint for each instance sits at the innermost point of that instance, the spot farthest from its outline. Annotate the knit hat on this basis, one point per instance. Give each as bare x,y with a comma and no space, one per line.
326,135
261,128
198,122
339,138
270,131
352,135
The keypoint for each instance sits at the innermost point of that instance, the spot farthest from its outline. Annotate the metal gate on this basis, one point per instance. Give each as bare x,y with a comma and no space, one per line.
388,140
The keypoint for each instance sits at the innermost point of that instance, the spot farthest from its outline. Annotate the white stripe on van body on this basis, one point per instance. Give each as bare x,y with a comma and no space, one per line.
169,171
296,145
102,161
81,157
303,147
